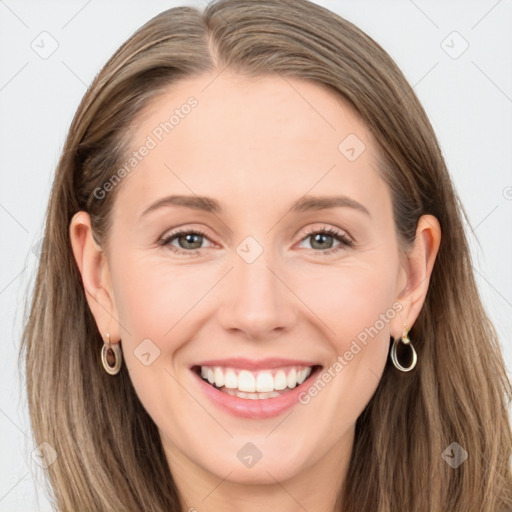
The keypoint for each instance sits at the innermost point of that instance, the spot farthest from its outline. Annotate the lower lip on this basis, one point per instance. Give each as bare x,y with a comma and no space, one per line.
259,408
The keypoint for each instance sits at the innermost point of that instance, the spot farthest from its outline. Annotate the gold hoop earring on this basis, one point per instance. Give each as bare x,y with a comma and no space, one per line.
111,356
406,341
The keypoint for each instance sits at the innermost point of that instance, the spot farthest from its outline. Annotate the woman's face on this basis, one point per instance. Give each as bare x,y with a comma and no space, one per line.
251,291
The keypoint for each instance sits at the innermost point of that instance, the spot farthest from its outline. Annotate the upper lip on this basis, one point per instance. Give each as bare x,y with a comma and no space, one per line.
255,364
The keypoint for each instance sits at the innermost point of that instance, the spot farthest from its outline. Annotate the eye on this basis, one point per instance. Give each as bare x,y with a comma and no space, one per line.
322,239
189,241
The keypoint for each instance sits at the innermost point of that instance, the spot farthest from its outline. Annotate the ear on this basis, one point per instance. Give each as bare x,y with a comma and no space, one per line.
93,266
417,270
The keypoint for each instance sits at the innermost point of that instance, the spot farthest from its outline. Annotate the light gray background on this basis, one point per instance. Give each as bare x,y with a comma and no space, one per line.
468,100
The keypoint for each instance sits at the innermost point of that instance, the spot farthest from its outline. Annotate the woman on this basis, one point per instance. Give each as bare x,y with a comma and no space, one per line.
259,367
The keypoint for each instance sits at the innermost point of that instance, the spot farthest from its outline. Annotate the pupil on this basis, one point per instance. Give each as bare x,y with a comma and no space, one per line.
320,237
189,238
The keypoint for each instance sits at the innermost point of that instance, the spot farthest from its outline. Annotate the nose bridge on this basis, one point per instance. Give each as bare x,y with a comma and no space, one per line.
258,303
255,281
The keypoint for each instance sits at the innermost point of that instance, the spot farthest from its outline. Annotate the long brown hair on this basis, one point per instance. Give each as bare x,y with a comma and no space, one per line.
110,456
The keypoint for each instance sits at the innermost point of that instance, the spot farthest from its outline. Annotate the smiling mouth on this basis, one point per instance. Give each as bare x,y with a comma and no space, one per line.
255,385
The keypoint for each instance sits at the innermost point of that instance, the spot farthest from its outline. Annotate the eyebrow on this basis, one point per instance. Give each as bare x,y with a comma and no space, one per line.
304,204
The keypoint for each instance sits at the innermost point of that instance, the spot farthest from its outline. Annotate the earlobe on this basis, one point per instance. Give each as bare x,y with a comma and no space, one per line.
420,264
94,270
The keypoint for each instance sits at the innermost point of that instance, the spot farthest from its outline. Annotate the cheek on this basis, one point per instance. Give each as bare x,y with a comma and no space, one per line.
349,299
156,296
155,307
355,306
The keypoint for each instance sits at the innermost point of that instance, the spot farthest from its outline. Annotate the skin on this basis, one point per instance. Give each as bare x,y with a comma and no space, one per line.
256,146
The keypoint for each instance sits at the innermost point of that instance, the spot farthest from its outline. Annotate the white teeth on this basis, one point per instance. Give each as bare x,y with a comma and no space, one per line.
292,378
246,381
262,384
302,375
251,396
280,381
219,377
230,380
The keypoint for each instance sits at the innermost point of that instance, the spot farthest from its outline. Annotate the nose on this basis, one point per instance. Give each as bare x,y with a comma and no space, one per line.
257,301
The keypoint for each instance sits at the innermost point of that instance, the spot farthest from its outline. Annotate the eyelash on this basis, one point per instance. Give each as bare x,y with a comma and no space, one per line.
338,235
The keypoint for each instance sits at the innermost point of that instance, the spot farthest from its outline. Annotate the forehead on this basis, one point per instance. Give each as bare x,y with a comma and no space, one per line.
252,138
261,109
